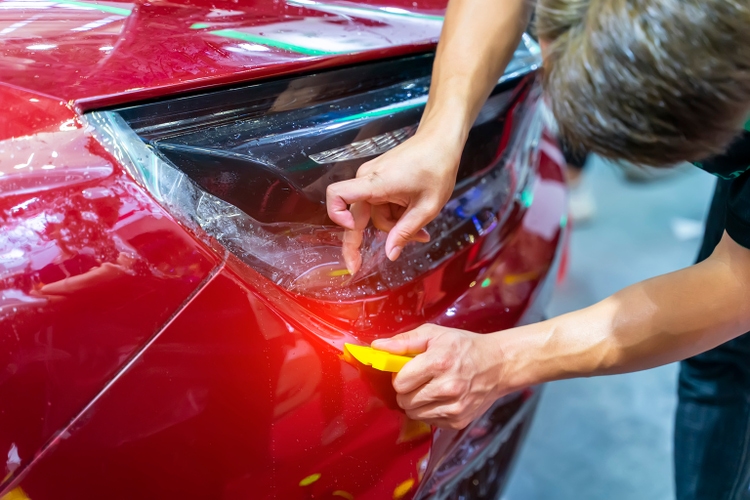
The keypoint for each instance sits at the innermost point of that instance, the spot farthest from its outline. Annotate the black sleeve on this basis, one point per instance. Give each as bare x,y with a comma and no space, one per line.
738,210
734,165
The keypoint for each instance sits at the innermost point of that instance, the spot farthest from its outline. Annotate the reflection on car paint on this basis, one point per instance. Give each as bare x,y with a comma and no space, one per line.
347,434
318,36
147,409
89,42
104,51
82,247
369,12
138,362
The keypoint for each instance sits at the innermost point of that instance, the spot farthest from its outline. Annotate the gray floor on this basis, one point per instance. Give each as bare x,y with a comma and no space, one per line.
610,437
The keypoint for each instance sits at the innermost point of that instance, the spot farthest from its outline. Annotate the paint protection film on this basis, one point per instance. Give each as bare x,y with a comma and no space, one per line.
249,167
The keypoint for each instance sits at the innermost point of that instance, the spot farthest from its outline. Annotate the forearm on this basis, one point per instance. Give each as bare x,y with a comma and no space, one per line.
478,40
651,323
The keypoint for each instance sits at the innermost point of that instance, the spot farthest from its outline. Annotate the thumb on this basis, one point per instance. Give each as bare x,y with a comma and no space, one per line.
409,343
408,228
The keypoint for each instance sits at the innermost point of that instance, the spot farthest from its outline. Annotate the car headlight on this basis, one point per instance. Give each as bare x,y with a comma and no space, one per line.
249,167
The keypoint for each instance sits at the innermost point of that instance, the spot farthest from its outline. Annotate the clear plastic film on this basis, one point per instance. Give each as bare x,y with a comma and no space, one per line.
306,258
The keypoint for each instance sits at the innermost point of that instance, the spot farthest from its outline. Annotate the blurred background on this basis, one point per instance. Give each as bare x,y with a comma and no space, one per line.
611,437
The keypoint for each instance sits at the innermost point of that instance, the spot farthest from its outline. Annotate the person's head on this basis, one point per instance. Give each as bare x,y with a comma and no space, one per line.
654,82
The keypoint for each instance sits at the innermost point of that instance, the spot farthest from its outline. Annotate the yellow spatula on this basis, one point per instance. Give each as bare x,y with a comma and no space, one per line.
380,360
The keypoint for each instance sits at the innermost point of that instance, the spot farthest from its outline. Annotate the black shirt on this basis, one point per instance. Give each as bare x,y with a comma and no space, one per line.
730,207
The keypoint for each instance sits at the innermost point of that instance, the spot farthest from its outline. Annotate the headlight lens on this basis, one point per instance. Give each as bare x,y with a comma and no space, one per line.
249,167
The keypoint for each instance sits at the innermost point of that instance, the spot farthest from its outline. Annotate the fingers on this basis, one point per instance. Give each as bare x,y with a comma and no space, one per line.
406,229
412,379
448,383
400,207
424,369
350,250
435,390
451,415
360,213
383,219
442,402
407,343
342,194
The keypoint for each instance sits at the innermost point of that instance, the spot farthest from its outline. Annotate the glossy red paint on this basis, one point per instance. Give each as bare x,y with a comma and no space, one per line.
516,284
240,397
135,360
90,268
95,53
283,407
26,113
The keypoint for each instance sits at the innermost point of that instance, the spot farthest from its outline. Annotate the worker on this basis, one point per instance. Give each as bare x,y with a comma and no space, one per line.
653,82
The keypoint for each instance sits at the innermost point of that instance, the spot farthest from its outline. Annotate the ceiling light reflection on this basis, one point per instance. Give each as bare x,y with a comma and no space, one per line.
68,125
248,47
98,23
395,10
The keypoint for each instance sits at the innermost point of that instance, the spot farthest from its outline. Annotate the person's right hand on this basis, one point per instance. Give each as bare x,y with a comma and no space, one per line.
402,191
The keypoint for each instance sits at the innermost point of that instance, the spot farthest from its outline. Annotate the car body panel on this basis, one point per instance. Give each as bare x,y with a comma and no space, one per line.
142,360
90,268
104,53
241,397
27,113
239,405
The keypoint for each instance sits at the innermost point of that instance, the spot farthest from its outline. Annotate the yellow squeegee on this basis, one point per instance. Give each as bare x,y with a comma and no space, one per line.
380,360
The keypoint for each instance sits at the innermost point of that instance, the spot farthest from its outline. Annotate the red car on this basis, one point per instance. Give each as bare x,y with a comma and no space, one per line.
173,303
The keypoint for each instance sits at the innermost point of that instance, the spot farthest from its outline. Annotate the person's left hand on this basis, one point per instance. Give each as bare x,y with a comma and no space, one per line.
455,377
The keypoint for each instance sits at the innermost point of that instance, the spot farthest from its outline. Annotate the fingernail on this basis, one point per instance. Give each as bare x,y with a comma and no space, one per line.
352,262
394,253
378,342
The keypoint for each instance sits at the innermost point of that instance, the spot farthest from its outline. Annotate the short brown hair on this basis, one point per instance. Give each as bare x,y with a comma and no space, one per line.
654,82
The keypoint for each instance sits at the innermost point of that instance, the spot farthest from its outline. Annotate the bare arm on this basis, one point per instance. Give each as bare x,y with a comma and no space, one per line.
668,318
404,189
476,44
658,321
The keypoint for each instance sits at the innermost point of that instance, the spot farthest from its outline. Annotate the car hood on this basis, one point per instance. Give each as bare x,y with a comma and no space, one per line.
92,54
